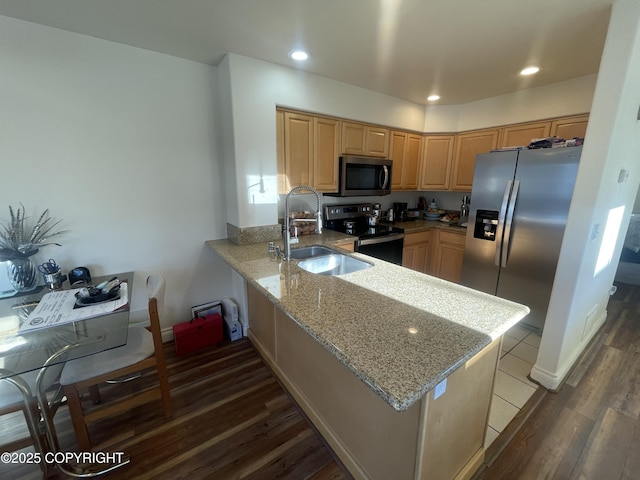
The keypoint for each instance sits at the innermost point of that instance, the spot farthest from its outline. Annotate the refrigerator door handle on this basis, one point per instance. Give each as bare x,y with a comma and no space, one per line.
501,219
509,223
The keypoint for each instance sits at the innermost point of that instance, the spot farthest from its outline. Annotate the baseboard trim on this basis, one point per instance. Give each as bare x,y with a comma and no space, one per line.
553,380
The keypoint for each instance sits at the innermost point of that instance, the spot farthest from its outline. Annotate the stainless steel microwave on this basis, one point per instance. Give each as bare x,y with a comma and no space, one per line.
362,176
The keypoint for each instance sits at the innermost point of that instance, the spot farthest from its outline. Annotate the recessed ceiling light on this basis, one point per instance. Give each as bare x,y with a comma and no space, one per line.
529,71
433,98
299,55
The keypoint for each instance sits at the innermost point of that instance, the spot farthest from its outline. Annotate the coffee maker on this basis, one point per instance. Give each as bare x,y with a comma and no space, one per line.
400,211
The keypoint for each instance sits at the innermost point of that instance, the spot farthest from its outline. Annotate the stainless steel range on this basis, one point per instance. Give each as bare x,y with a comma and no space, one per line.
379,241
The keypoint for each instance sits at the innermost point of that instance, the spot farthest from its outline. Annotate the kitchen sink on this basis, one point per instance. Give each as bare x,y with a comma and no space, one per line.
312,251
332,264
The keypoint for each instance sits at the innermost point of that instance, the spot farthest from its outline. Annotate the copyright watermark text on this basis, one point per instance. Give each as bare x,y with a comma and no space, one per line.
61,457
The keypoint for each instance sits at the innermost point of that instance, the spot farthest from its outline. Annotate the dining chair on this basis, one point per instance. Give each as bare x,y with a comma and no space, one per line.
142,351
19,393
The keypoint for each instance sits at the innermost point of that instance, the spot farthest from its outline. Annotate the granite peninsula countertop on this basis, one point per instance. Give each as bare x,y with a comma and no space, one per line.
399,331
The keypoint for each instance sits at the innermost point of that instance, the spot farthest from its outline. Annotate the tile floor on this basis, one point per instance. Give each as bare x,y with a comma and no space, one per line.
513,388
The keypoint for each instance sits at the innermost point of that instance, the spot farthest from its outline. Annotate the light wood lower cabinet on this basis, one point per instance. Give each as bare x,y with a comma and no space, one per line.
448,255
262,321
416,253
347,245
436,438
435,252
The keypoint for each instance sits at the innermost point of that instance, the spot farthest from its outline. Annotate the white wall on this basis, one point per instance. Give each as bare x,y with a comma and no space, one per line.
612,144
559,99
122,144
255,89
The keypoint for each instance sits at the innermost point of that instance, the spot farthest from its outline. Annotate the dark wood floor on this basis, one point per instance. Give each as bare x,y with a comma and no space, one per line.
590,429
233,420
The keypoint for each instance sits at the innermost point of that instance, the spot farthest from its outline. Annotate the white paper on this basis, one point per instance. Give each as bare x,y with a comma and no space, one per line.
56,308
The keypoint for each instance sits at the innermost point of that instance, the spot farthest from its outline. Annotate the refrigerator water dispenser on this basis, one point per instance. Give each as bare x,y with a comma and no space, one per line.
486,225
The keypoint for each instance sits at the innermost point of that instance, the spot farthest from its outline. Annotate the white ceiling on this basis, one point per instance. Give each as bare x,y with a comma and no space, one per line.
464,50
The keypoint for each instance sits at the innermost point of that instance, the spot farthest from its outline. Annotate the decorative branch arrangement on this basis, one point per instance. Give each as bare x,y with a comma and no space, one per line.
20,240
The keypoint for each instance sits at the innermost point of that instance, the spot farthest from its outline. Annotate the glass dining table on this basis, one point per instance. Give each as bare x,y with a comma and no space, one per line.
40,353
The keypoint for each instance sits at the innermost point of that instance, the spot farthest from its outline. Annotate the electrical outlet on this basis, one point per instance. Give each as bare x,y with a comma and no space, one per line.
440,389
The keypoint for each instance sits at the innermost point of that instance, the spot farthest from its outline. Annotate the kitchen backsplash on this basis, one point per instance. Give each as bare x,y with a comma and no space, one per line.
445,200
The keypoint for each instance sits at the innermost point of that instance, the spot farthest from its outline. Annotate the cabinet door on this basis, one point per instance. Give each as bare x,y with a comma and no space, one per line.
398,146
416,254
436,162
449,253
411,164
353,138
406,149
361,139
570,127
521,135
262,318
346,245
377,144
409,256
298,149
325,154
467,146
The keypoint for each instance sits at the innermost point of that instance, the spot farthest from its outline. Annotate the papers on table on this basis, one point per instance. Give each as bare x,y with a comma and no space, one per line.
57,308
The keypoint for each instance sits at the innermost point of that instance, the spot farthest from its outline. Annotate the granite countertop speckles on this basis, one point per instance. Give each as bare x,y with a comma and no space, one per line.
400,331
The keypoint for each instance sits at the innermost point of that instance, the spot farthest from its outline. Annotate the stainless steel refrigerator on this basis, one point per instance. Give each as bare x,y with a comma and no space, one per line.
519,206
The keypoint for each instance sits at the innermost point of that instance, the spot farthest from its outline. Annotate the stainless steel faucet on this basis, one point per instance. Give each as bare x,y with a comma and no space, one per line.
287,221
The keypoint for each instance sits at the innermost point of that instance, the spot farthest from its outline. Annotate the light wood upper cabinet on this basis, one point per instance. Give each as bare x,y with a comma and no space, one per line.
467,146
522,134
309,146
398,144
437,156
411,170
406,149
377,141
326,148
570,127
307,151
361,139
298,149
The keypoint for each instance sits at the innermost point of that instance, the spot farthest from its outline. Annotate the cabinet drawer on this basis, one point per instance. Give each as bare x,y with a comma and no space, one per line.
450,237
417,238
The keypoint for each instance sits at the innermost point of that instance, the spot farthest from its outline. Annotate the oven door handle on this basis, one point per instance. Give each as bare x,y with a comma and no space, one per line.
376,240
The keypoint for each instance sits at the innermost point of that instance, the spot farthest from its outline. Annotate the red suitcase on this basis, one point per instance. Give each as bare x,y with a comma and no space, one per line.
198,333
